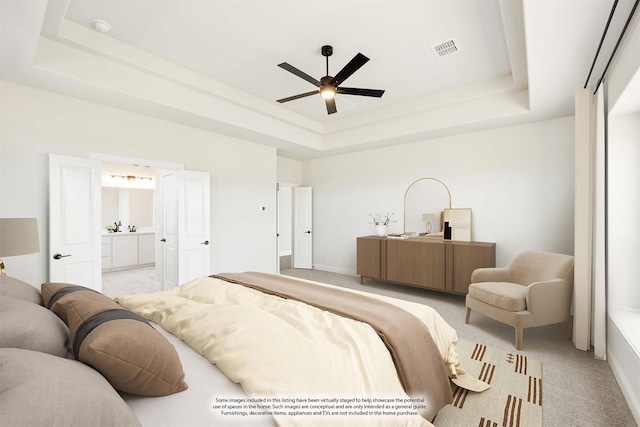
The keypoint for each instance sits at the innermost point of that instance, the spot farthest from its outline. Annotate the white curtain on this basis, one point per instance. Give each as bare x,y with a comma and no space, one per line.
582,247
589,304
599,292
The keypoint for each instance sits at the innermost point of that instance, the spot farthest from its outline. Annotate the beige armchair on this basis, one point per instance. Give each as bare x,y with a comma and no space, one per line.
535,289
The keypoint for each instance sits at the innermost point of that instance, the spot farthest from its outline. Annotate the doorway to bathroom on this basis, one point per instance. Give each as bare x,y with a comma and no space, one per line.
181,221
129,235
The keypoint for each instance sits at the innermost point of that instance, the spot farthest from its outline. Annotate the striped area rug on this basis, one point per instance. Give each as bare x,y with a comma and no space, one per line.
515,396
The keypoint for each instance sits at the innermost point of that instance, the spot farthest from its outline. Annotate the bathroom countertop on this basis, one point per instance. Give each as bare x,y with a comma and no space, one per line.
127,232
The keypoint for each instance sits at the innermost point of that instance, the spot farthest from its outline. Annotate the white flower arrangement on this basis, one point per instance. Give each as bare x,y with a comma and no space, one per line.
382,220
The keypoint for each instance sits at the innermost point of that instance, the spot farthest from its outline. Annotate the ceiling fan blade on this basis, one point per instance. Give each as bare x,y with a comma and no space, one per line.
377,93
358,61
331,105
301,74
302,95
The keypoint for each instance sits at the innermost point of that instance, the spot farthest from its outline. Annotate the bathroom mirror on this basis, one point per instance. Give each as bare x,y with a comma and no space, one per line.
425,196
128,195
131,206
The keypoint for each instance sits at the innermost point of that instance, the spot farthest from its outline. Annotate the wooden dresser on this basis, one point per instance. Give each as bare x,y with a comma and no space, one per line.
423,262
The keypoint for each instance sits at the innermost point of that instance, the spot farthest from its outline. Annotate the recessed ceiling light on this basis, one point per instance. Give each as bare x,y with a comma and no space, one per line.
101,25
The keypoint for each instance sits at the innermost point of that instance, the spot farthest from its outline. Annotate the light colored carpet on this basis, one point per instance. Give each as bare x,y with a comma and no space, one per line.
578,390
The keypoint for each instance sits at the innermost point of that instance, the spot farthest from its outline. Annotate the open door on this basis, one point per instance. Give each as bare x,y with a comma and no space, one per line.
167,228
302,251
74,221
183,218
194,253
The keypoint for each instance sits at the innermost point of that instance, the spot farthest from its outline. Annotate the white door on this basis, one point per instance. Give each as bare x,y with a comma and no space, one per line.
302,251
167,229
194,224
75,245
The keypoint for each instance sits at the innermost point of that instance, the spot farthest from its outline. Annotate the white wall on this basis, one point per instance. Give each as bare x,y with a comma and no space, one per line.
35,123
517,180
289,170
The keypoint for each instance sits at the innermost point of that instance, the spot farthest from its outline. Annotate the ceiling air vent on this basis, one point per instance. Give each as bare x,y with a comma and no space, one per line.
445,48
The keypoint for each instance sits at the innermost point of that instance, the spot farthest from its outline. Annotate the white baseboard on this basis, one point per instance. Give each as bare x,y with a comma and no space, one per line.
624,361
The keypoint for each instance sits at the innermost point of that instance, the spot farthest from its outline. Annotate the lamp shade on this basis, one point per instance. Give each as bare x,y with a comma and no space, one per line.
18,236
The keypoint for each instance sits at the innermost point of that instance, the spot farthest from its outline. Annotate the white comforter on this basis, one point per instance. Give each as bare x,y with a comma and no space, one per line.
282,348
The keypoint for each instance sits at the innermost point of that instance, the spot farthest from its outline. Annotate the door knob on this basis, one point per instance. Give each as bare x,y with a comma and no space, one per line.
308,232
58,256
163,240
206,242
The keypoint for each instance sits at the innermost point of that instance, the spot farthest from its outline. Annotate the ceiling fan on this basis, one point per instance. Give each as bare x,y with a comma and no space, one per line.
329,86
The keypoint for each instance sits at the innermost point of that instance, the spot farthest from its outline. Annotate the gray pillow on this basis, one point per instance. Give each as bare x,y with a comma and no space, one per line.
38,389
32,327
19,289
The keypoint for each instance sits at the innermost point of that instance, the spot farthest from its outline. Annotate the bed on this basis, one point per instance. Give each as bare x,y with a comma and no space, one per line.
269,359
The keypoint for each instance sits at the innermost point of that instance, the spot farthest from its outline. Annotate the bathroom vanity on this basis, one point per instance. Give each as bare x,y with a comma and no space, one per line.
125,250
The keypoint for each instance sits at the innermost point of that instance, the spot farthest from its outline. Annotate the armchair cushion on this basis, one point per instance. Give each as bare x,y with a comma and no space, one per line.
504,295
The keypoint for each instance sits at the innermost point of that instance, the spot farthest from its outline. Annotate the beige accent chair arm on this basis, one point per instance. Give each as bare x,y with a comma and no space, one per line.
499,274
549,301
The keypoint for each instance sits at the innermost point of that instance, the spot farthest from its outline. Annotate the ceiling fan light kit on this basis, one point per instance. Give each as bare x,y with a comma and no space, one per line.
328,86
328,92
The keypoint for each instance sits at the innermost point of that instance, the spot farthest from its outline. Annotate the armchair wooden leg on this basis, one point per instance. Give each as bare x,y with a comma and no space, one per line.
519,339
466,318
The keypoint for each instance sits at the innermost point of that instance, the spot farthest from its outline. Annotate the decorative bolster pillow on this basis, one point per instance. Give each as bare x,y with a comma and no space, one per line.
54,294
122,346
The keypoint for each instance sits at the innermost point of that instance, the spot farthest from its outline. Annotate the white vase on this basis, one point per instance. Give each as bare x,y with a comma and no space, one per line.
381,230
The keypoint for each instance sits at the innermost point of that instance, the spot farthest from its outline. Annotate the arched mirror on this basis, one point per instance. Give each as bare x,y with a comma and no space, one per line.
424,202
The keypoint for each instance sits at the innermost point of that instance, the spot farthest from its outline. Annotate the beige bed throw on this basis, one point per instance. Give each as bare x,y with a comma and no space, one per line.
419,364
